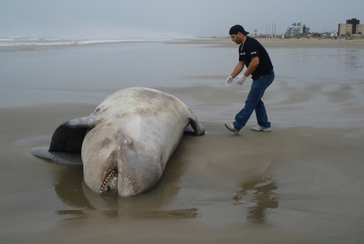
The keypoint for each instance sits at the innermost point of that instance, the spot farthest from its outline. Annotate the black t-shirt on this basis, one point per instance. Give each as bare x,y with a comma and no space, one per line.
252,48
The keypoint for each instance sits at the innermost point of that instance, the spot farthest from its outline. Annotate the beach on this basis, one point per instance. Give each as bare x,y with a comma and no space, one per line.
300,183
284,43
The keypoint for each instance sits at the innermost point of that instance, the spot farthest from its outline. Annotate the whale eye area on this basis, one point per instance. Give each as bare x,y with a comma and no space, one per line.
105,186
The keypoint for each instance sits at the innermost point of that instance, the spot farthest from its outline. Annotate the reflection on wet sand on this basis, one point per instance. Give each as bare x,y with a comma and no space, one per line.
115,213
72,190
69,186
260,195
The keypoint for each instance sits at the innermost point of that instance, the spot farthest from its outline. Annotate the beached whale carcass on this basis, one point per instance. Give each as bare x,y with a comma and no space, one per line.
126,142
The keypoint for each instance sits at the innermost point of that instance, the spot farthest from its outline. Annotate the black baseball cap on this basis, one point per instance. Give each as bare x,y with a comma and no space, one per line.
237,28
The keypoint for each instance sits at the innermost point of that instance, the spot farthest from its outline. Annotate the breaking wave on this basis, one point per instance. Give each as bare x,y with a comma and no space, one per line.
32,43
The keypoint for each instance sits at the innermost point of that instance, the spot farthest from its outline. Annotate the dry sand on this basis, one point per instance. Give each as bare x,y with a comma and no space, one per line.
283,43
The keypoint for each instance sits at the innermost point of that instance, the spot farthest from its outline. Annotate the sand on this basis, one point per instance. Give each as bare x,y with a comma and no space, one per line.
284,43
300,183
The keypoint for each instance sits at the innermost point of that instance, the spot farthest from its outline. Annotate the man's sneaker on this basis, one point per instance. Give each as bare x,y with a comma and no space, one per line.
230,127
259,128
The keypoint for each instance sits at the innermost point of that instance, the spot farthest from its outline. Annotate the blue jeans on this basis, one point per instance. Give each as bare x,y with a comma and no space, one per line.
254,102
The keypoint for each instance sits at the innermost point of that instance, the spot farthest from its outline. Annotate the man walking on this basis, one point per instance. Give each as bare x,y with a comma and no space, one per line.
254,56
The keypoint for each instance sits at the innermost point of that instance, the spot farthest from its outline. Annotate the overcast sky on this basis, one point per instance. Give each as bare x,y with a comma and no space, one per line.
168,18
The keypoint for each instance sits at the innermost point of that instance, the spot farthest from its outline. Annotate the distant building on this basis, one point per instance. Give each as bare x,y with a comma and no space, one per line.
297,29
333,34
351,27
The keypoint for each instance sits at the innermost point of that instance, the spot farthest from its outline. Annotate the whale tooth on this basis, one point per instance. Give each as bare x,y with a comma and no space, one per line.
107,179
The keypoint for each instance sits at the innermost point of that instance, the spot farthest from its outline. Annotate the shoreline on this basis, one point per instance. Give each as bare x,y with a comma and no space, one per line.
281,43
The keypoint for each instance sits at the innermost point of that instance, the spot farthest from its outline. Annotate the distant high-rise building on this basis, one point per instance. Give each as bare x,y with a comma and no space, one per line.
352,27
353,21
297,29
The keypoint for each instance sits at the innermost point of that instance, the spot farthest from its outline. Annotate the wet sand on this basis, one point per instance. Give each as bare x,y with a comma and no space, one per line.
300,183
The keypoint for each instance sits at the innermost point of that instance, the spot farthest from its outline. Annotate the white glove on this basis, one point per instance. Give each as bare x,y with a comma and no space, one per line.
229,81
241,79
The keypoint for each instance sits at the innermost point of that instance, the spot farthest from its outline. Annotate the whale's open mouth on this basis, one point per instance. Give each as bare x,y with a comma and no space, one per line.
110,182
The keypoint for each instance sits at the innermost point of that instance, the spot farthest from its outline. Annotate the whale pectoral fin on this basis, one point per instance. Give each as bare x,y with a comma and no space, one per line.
59,157
197,127
68,137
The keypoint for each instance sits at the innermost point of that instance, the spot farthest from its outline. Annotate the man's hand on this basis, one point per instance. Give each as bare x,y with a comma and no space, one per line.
229,81
241,79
